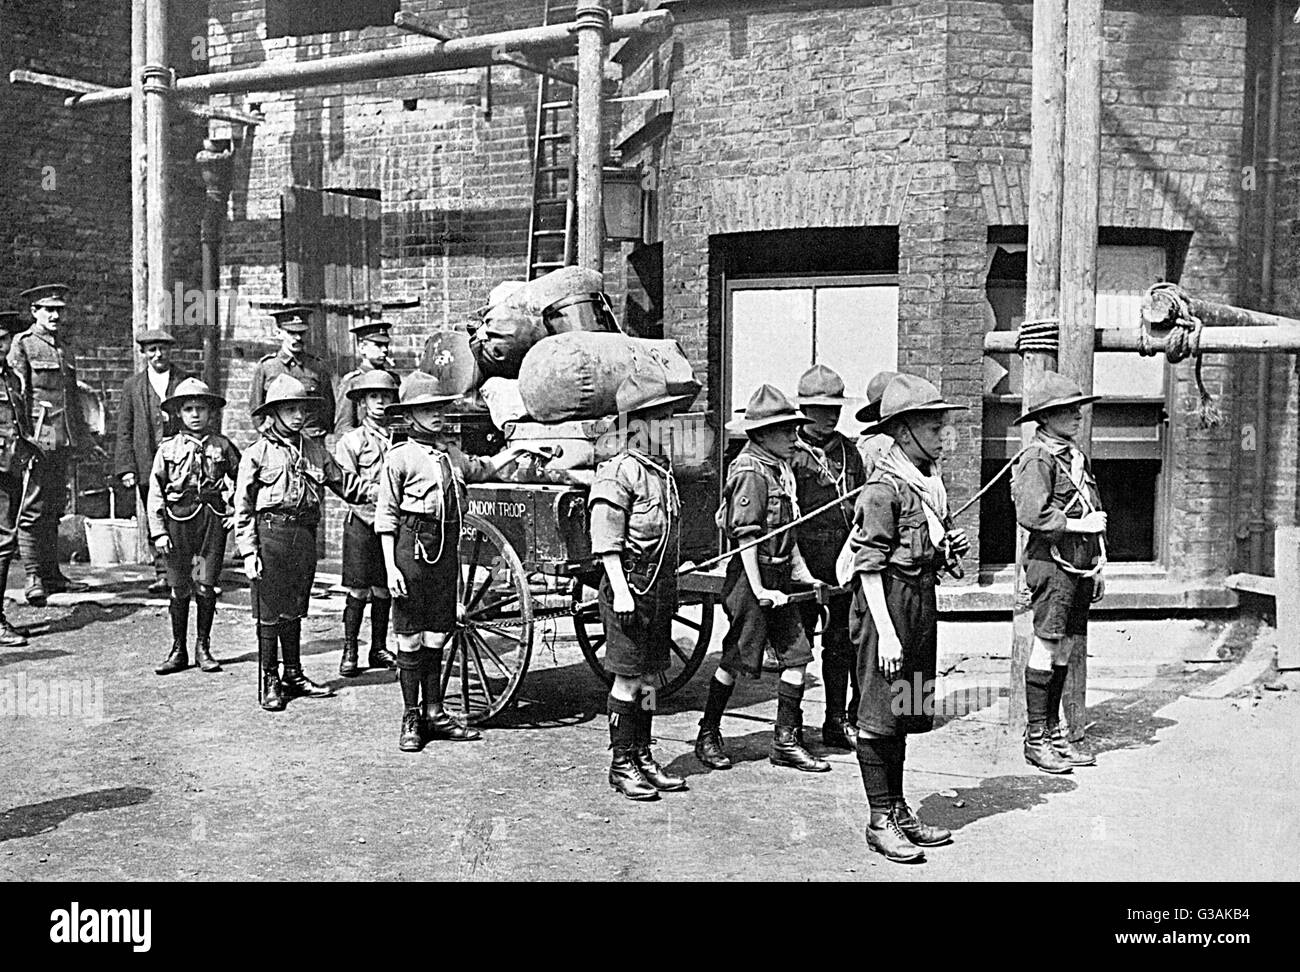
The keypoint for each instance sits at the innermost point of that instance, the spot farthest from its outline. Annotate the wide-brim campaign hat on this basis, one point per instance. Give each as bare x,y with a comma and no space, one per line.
47,295
870,412
191,388
419,389
908,395
820,385
1054,391
11,322
377,380
292,319
154,336
285,390
639,392
768,406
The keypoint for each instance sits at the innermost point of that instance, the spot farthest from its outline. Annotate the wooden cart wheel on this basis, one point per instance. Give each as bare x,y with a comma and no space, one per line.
692,629
484,661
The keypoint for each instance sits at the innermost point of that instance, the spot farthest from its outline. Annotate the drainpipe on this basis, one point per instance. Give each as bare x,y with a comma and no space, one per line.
214,162
1263,390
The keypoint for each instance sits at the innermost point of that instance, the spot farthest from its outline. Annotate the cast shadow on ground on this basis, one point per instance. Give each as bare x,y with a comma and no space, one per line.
749,748
81,616
39,654
39,818
998,794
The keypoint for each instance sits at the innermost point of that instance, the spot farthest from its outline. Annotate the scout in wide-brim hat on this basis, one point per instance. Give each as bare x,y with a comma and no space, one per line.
419,389
47,295
284,390
640,393
373,381
768,406
188,389
908,395
820,385
870,412
1054,391
11,322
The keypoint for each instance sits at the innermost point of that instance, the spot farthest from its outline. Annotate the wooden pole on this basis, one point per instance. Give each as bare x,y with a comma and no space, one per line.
1283,338
1079,264
157,85
139,235
593,48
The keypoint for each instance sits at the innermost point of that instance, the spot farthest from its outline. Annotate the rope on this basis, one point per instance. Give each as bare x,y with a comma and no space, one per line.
1042,336
1182,342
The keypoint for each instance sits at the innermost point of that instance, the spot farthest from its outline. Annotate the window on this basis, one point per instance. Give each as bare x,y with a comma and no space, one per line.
297,17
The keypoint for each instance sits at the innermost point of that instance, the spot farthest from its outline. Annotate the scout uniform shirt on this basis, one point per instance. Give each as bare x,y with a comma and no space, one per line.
822,474
346,415
414,481
635,511
759,496
288,475
890,529
308,369
361,452
13,422
48,374
190,472
1052,481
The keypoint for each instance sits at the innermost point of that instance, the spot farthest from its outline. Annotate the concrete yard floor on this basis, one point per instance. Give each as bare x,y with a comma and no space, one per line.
184,778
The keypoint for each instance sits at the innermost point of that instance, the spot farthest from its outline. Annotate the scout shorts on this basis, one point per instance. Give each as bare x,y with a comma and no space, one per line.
363,555
198,549
428,555
754,626
1060,600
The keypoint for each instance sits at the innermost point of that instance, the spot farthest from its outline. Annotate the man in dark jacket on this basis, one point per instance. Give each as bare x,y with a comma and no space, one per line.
142,424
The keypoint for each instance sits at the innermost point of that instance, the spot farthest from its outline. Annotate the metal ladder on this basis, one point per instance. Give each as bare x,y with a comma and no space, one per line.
553,219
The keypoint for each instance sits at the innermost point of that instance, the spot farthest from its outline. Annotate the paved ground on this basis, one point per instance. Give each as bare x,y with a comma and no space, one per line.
185,778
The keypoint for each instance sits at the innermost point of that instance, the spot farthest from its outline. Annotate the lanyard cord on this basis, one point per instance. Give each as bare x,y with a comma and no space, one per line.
673,500
420,552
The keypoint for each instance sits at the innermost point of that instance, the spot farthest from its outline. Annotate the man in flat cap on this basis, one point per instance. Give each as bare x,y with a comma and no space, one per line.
142,424
48,373
16,450
292,359
372,339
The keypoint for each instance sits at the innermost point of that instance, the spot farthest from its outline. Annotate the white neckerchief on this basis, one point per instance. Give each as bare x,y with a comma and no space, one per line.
784,473
934,496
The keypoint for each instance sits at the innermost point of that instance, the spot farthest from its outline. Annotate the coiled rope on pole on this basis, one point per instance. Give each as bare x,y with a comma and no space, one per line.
1167,307
1041,336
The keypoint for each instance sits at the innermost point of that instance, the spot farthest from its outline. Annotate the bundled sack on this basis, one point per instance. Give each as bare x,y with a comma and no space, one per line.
568,299
500,344
501,396
576,444
449,357
577,375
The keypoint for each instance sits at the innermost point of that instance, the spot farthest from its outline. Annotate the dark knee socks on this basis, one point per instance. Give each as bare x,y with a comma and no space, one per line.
410,674
379,607
719,695
1055,689
291,644
881,763
835,679
353,609
789,705
180,614
624,723
268,636
1036,688
431,675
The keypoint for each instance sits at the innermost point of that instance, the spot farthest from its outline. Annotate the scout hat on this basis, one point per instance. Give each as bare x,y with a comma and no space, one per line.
376,380
640,391
1054,391
11,322
418,389
870,412
820,385
904,395
373,331
768,406
283,390
292,319
47,295
154,336
192,388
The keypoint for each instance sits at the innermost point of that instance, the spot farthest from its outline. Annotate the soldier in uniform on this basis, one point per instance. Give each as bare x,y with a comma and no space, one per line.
826,465
16,450
760,496
635,530
49,379
361,452
189,512
142,424
278,498
871,446
373,340
1058,502
900,541
293,360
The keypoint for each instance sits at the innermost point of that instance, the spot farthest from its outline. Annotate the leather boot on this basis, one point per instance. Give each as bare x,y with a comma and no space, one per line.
272,697
920,834
658,777
787,751
206,607
295,684
411,740
159,585
178,660
10,637
353,608
885,836
626,777
34,591
1061,745
380,656
268,650
709,748
1039,752
839,733
439,725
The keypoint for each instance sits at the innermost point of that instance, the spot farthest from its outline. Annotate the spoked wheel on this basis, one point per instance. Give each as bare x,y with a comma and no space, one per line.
484,662
692,629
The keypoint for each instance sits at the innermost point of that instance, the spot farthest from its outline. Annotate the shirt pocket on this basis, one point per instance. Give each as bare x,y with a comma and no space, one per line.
914,542
423,496
647,522
273,481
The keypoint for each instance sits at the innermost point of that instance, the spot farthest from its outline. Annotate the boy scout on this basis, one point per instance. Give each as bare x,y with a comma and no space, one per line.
361,452
635,531
900,541
278,497
189,514
760,496
292,359
826,465
48,374
418,517
372,339
1058,503
871,446
16,450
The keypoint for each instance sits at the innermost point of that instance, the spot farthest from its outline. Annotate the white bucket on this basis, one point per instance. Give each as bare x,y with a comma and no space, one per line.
110,541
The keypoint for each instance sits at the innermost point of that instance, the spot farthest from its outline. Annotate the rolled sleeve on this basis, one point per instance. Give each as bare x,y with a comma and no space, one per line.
246,504
390,494
608,528
746,505
472,469
157,491
875,528
1032,492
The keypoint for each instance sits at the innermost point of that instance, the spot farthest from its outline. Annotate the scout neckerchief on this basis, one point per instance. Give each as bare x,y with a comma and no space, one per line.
432,442
1070,459
930,489
841,482
784,473
667,473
